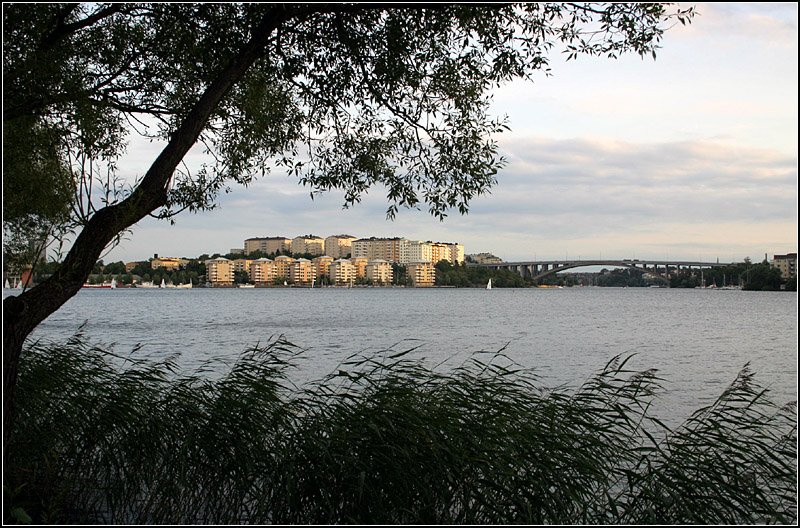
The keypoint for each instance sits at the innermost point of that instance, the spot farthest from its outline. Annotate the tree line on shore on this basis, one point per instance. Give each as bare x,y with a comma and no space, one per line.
745,275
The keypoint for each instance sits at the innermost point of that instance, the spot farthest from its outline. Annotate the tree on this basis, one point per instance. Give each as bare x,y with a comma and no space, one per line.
341,96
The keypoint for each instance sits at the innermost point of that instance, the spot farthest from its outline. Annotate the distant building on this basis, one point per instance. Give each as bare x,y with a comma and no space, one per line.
301,271
342,272
242,265
485,258
262,272
168,263
422,274
267,245
390,249
308,245
339,246
379,271
130,265
360,265
416,251
219,272
787,264
237,251
322,265
283,266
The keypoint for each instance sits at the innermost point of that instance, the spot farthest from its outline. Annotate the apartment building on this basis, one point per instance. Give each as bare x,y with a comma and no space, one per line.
308,244
342,272
242,265
379,248
416,251
322,265
787,264
262,272
267,245
282,266
339,246
301,271
422,274
219,272
456,253
379,272
360,265
168,263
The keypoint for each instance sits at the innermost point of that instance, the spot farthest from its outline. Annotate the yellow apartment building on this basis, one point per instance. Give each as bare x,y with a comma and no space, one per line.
456,253
342,272
308,244
390,249
422,274
360,265
379,272
322,265
339,246
168,263
282,266
301,271
267,245
241,265
219,272
262,272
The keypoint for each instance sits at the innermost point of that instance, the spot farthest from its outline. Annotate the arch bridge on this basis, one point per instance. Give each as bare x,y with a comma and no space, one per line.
535,270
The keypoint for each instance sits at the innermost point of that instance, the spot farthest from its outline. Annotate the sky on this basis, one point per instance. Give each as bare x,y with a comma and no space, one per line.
692,156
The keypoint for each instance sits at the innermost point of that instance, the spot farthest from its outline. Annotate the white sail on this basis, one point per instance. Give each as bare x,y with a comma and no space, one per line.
489,285
163,284
7,285
113,283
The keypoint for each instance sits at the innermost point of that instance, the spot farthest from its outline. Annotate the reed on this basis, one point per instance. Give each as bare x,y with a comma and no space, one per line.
103,438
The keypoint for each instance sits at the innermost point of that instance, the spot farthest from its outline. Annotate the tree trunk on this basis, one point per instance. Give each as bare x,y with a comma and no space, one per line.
21,314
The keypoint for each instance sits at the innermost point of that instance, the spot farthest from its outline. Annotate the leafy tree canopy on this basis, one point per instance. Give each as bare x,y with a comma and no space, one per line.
343,96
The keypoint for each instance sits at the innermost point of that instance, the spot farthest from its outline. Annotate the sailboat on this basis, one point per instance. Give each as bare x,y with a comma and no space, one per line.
7,286
163,284
113,283
489,285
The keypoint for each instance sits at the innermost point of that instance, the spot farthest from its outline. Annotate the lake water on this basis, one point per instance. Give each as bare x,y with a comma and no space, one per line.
697,339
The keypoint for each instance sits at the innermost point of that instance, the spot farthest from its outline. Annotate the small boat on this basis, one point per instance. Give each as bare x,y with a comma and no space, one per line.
163,284
247,286
489,285
113,283
189,285
7,286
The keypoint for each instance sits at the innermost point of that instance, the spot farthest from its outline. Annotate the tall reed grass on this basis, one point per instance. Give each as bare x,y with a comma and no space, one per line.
383,440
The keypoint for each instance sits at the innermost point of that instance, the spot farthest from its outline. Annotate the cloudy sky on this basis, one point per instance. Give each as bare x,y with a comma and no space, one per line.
691,156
